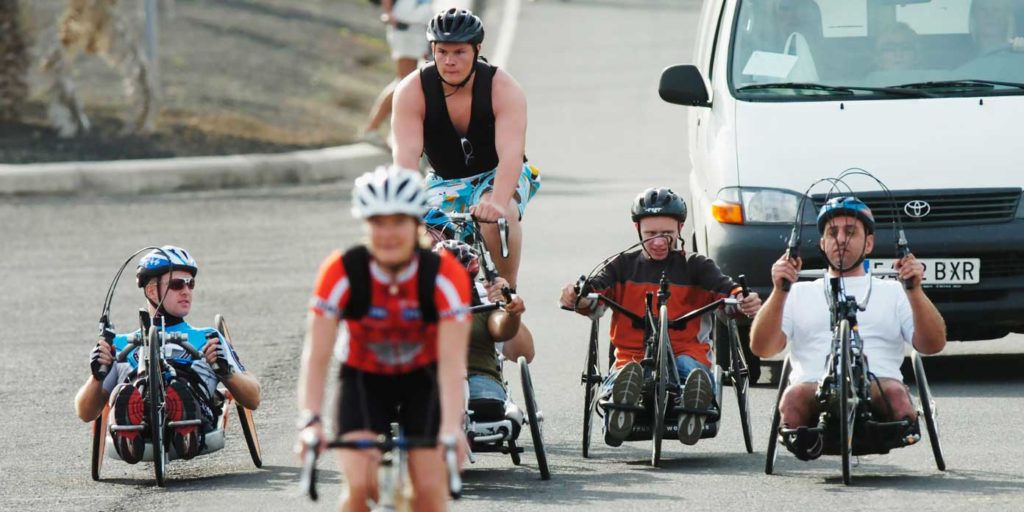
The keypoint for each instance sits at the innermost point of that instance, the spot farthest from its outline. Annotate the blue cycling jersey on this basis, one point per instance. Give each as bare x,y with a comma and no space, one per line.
196,337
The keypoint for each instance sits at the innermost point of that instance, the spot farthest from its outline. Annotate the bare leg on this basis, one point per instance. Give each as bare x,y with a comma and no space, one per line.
429,477
798,406
360,469
507,267
382,105
898,398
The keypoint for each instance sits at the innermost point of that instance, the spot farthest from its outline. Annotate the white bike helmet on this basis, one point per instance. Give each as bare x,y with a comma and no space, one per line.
387,191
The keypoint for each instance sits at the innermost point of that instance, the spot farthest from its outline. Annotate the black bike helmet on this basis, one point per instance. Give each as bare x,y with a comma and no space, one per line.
455,26
849,206
658,202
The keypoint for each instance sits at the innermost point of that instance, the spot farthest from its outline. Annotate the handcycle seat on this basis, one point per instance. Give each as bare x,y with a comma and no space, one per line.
870,437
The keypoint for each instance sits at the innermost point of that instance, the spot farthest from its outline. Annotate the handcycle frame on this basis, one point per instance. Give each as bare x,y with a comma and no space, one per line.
504,437
393,470
150,339
844,393
661,376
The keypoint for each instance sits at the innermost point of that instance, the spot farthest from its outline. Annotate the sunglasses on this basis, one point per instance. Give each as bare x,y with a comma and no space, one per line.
467,149
179,284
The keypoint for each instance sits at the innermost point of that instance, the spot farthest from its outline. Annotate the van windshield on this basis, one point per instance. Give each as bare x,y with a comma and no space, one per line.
834,49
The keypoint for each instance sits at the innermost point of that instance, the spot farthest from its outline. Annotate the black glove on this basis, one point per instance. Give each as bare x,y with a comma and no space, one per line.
221,366
98,369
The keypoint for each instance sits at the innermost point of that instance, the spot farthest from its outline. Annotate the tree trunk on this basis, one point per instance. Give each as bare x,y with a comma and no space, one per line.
14,61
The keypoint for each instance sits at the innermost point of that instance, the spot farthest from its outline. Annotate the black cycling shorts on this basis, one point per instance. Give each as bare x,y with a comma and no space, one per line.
371,401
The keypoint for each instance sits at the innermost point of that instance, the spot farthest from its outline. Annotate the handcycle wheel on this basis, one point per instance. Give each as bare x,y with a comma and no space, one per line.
154,401
660,393
536,431
592,384
741,383
245,418
773,439
99,442
928,405
846,408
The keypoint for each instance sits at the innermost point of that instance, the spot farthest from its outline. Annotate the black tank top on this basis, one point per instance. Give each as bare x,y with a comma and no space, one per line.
442,143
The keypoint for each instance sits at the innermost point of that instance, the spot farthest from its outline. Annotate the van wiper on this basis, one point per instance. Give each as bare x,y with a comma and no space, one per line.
845,90
950,84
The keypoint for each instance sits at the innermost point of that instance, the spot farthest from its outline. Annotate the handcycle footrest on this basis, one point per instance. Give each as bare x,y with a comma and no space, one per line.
709,414
621,407
184,423
127,428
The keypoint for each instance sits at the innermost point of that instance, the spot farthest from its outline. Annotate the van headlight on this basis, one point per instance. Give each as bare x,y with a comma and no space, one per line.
741,205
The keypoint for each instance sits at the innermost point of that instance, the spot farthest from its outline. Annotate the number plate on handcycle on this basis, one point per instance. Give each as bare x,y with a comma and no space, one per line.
941,271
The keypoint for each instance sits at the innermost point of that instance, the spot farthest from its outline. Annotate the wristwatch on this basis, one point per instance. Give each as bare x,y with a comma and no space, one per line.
307,419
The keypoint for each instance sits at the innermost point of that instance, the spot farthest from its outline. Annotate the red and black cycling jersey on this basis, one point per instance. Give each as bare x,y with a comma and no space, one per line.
392,338
694,281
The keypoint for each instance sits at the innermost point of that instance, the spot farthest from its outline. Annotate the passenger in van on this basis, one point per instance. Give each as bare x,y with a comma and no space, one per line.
896,48
992,25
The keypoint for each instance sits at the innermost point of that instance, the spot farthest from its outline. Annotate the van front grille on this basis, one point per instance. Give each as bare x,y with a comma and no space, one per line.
950,207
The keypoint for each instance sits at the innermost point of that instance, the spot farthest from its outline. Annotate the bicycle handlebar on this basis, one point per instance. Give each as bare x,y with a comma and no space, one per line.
502,223
307,479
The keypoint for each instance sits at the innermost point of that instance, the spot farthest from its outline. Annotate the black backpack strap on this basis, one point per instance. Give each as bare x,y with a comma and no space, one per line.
427,275
357,267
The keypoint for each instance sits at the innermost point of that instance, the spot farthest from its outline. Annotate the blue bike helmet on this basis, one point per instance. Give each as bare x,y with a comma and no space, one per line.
162,261
849,206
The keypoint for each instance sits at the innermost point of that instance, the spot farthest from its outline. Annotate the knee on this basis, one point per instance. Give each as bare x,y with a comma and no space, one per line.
430,489
902,406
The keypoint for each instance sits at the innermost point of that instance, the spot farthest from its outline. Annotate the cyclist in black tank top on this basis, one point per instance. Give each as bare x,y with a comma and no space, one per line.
470,119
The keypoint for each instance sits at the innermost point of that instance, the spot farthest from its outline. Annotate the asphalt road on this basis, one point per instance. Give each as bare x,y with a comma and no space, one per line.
599,134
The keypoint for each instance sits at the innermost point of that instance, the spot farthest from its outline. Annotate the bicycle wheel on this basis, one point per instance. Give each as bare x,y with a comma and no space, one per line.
928,405
741,383
99,442
155,406
592,383
513,451
846,408
535,418
252,440
660,390
773,439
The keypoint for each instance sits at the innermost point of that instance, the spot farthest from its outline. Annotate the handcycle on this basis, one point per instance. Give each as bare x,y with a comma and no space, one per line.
393,492
491,428
153,370
846,421
661,384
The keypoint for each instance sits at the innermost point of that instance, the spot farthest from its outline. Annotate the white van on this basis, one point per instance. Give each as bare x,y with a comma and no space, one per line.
926,95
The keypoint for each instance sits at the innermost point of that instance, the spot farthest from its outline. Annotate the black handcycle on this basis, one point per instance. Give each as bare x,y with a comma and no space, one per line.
490,427
661,384
153,371
846,423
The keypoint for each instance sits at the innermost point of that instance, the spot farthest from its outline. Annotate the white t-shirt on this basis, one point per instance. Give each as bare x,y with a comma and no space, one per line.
886,326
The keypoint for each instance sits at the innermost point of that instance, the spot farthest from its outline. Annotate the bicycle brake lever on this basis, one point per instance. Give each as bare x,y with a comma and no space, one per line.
792,246
503,236
902,250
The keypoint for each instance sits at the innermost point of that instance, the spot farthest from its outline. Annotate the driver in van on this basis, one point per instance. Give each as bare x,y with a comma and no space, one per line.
993,26
799,318
896,48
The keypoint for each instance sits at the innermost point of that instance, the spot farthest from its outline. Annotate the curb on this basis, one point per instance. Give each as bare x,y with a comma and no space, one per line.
148,176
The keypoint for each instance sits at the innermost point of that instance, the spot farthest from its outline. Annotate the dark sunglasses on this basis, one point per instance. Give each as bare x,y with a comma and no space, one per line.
467,149
179,284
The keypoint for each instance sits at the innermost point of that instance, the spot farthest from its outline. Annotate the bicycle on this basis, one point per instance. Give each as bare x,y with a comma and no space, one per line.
393,491
661,378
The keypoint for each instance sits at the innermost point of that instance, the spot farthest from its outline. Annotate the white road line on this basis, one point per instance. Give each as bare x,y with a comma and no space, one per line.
507,32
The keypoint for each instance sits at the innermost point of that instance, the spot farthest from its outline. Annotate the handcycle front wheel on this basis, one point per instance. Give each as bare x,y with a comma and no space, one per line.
741,384
660,390
773,438
846,407
154,401
534,417
928,409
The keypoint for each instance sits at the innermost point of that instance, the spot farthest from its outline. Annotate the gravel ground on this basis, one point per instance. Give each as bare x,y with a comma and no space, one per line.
236,76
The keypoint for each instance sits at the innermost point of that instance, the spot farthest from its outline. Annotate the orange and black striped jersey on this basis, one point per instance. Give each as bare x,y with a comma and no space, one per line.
694,281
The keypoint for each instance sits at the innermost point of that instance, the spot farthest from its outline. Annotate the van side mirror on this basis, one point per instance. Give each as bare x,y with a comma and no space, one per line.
682,84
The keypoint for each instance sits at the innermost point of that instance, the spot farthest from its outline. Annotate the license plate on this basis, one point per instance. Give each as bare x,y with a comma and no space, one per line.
942,271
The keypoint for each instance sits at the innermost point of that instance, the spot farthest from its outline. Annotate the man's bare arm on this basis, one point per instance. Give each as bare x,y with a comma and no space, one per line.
407,114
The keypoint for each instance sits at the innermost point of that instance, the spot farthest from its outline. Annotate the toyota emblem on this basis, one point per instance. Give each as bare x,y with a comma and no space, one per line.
917,208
